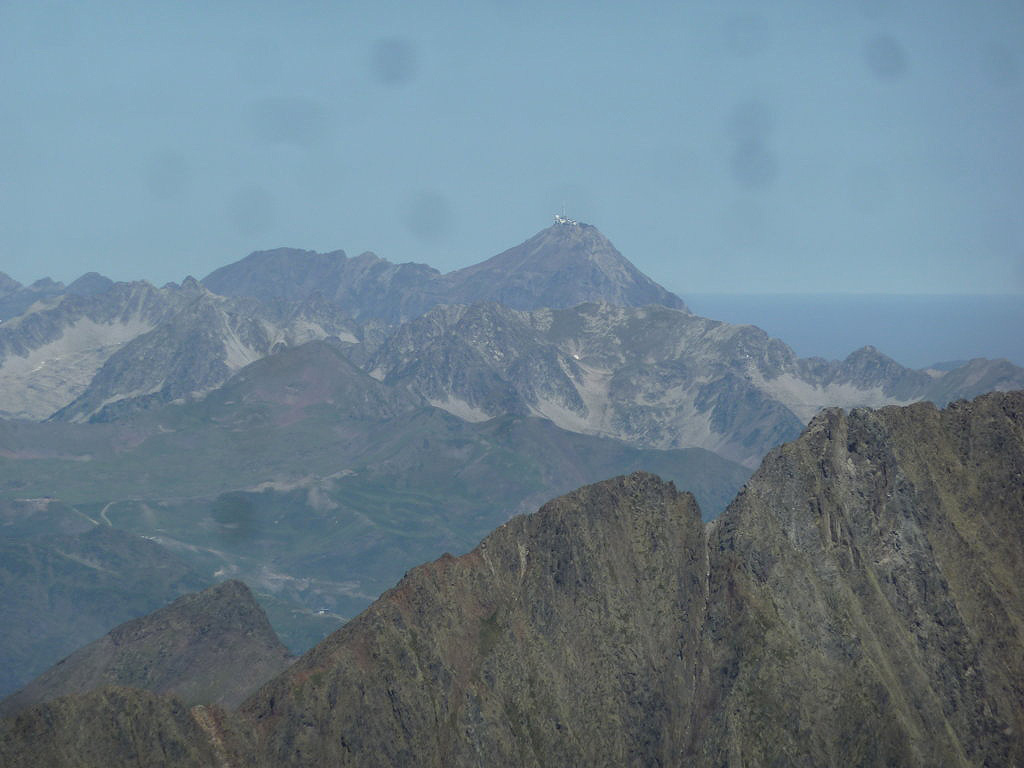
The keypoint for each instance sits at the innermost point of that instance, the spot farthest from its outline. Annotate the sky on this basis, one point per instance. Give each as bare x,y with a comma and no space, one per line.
865,146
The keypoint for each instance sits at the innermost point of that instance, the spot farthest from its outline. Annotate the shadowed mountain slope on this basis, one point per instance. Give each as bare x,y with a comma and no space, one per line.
211,647
118,726
865,598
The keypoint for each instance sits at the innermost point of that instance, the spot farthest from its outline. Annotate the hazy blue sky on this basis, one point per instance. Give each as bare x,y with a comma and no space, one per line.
860,145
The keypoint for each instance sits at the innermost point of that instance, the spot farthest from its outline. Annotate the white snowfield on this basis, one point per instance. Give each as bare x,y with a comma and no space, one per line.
54,374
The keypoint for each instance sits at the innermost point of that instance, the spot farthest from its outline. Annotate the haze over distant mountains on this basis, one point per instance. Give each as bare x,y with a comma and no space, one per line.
316,424
562,266
107,354
919,330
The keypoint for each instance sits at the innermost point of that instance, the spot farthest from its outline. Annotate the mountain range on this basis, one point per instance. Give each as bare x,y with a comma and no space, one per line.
562,327
858,603
316,424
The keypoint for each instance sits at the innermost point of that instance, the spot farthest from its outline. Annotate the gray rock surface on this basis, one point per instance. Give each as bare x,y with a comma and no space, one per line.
16,298
561,266
652,376
197,349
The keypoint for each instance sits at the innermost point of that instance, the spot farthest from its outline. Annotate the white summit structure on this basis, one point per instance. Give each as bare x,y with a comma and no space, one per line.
560,218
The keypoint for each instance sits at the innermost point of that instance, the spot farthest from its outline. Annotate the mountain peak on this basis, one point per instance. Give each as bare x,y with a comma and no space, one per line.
8,284
90,284
566,264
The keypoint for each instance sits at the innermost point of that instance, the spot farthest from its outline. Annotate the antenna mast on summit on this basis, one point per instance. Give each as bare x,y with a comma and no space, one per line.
561,218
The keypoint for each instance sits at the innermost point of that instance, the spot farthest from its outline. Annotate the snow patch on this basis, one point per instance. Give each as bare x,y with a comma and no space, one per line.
460,408
805,399
54,374
238,354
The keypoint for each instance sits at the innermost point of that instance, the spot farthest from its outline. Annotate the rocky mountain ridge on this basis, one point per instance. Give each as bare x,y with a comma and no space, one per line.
561,266
133,346
656,376
68,578
859,602
651,376
15,298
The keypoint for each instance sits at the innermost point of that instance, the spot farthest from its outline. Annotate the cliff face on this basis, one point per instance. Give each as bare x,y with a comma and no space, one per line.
859,603
567,637
865,594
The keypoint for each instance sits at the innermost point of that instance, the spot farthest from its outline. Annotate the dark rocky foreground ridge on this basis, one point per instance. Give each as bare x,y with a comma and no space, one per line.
861,602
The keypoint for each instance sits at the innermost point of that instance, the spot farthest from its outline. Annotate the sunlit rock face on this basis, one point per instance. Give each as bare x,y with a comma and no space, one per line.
859,603
652,376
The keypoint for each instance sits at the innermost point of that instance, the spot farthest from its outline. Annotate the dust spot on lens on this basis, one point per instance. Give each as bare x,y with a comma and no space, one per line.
753,164
167,175
751,120
428,217
296,121
234,516
393,61
251,210
885,58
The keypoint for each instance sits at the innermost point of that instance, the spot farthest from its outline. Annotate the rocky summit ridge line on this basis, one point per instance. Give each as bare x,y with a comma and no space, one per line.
561,266
859,603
